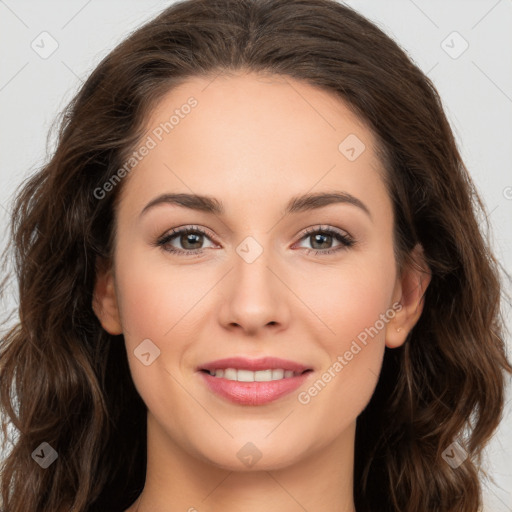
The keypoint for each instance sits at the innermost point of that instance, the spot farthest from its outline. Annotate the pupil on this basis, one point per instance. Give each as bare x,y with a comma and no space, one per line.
320,236
189,238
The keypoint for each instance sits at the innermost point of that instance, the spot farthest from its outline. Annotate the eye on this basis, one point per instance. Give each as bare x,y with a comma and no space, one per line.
322,239
190,238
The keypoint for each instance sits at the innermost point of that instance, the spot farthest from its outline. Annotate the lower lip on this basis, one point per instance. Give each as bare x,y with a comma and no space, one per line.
253,393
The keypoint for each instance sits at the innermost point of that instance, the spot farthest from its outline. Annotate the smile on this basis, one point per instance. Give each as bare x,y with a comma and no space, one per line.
257,376
257,388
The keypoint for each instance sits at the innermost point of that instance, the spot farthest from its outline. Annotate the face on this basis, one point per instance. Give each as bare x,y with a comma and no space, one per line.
314,284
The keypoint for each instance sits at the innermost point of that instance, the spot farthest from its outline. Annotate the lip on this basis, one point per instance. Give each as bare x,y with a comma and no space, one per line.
253,393
262,363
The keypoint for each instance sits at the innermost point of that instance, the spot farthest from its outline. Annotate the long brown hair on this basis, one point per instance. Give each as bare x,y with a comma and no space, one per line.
66,382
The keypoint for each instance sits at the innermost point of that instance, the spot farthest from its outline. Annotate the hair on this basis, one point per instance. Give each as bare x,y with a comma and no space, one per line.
65,381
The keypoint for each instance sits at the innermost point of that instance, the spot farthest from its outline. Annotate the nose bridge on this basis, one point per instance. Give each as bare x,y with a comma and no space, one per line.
253,261
255,293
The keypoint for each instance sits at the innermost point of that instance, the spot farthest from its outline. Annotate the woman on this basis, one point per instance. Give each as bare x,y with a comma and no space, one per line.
251,278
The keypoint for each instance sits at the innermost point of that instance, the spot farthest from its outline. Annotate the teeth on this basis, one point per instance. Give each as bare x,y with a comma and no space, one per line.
250,376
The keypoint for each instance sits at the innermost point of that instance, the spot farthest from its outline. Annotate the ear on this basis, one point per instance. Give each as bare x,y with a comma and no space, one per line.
409,292
104,301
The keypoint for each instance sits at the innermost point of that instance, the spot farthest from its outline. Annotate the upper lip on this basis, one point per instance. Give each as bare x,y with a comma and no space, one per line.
261,363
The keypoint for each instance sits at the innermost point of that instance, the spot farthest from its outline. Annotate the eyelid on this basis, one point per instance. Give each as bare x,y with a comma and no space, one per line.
323,228
185,229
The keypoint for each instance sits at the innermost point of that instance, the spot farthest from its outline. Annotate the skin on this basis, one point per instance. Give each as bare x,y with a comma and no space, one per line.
253,142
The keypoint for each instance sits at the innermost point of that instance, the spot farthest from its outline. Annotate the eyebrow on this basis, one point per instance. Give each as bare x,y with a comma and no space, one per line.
307,202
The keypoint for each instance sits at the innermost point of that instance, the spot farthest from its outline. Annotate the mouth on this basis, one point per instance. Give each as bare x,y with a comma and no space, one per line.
244,381
246,367
243,375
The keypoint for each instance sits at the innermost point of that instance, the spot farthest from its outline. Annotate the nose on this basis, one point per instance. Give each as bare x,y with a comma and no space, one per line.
257,298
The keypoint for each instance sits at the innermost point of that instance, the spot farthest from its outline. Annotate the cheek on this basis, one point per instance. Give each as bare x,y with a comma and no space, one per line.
348,299
352,311
156,303
154,297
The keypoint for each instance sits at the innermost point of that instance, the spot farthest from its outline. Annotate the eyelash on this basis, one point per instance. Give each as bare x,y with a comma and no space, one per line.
346,240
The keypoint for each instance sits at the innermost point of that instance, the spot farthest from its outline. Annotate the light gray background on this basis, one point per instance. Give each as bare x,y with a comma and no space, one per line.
476,88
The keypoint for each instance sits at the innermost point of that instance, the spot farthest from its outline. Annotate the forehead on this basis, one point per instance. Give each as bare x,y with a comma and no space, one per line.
247,136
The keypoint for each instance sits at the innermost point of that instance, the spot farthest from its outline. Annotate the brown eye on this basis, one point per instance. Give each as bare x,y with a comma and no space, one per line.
189,240
321,240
